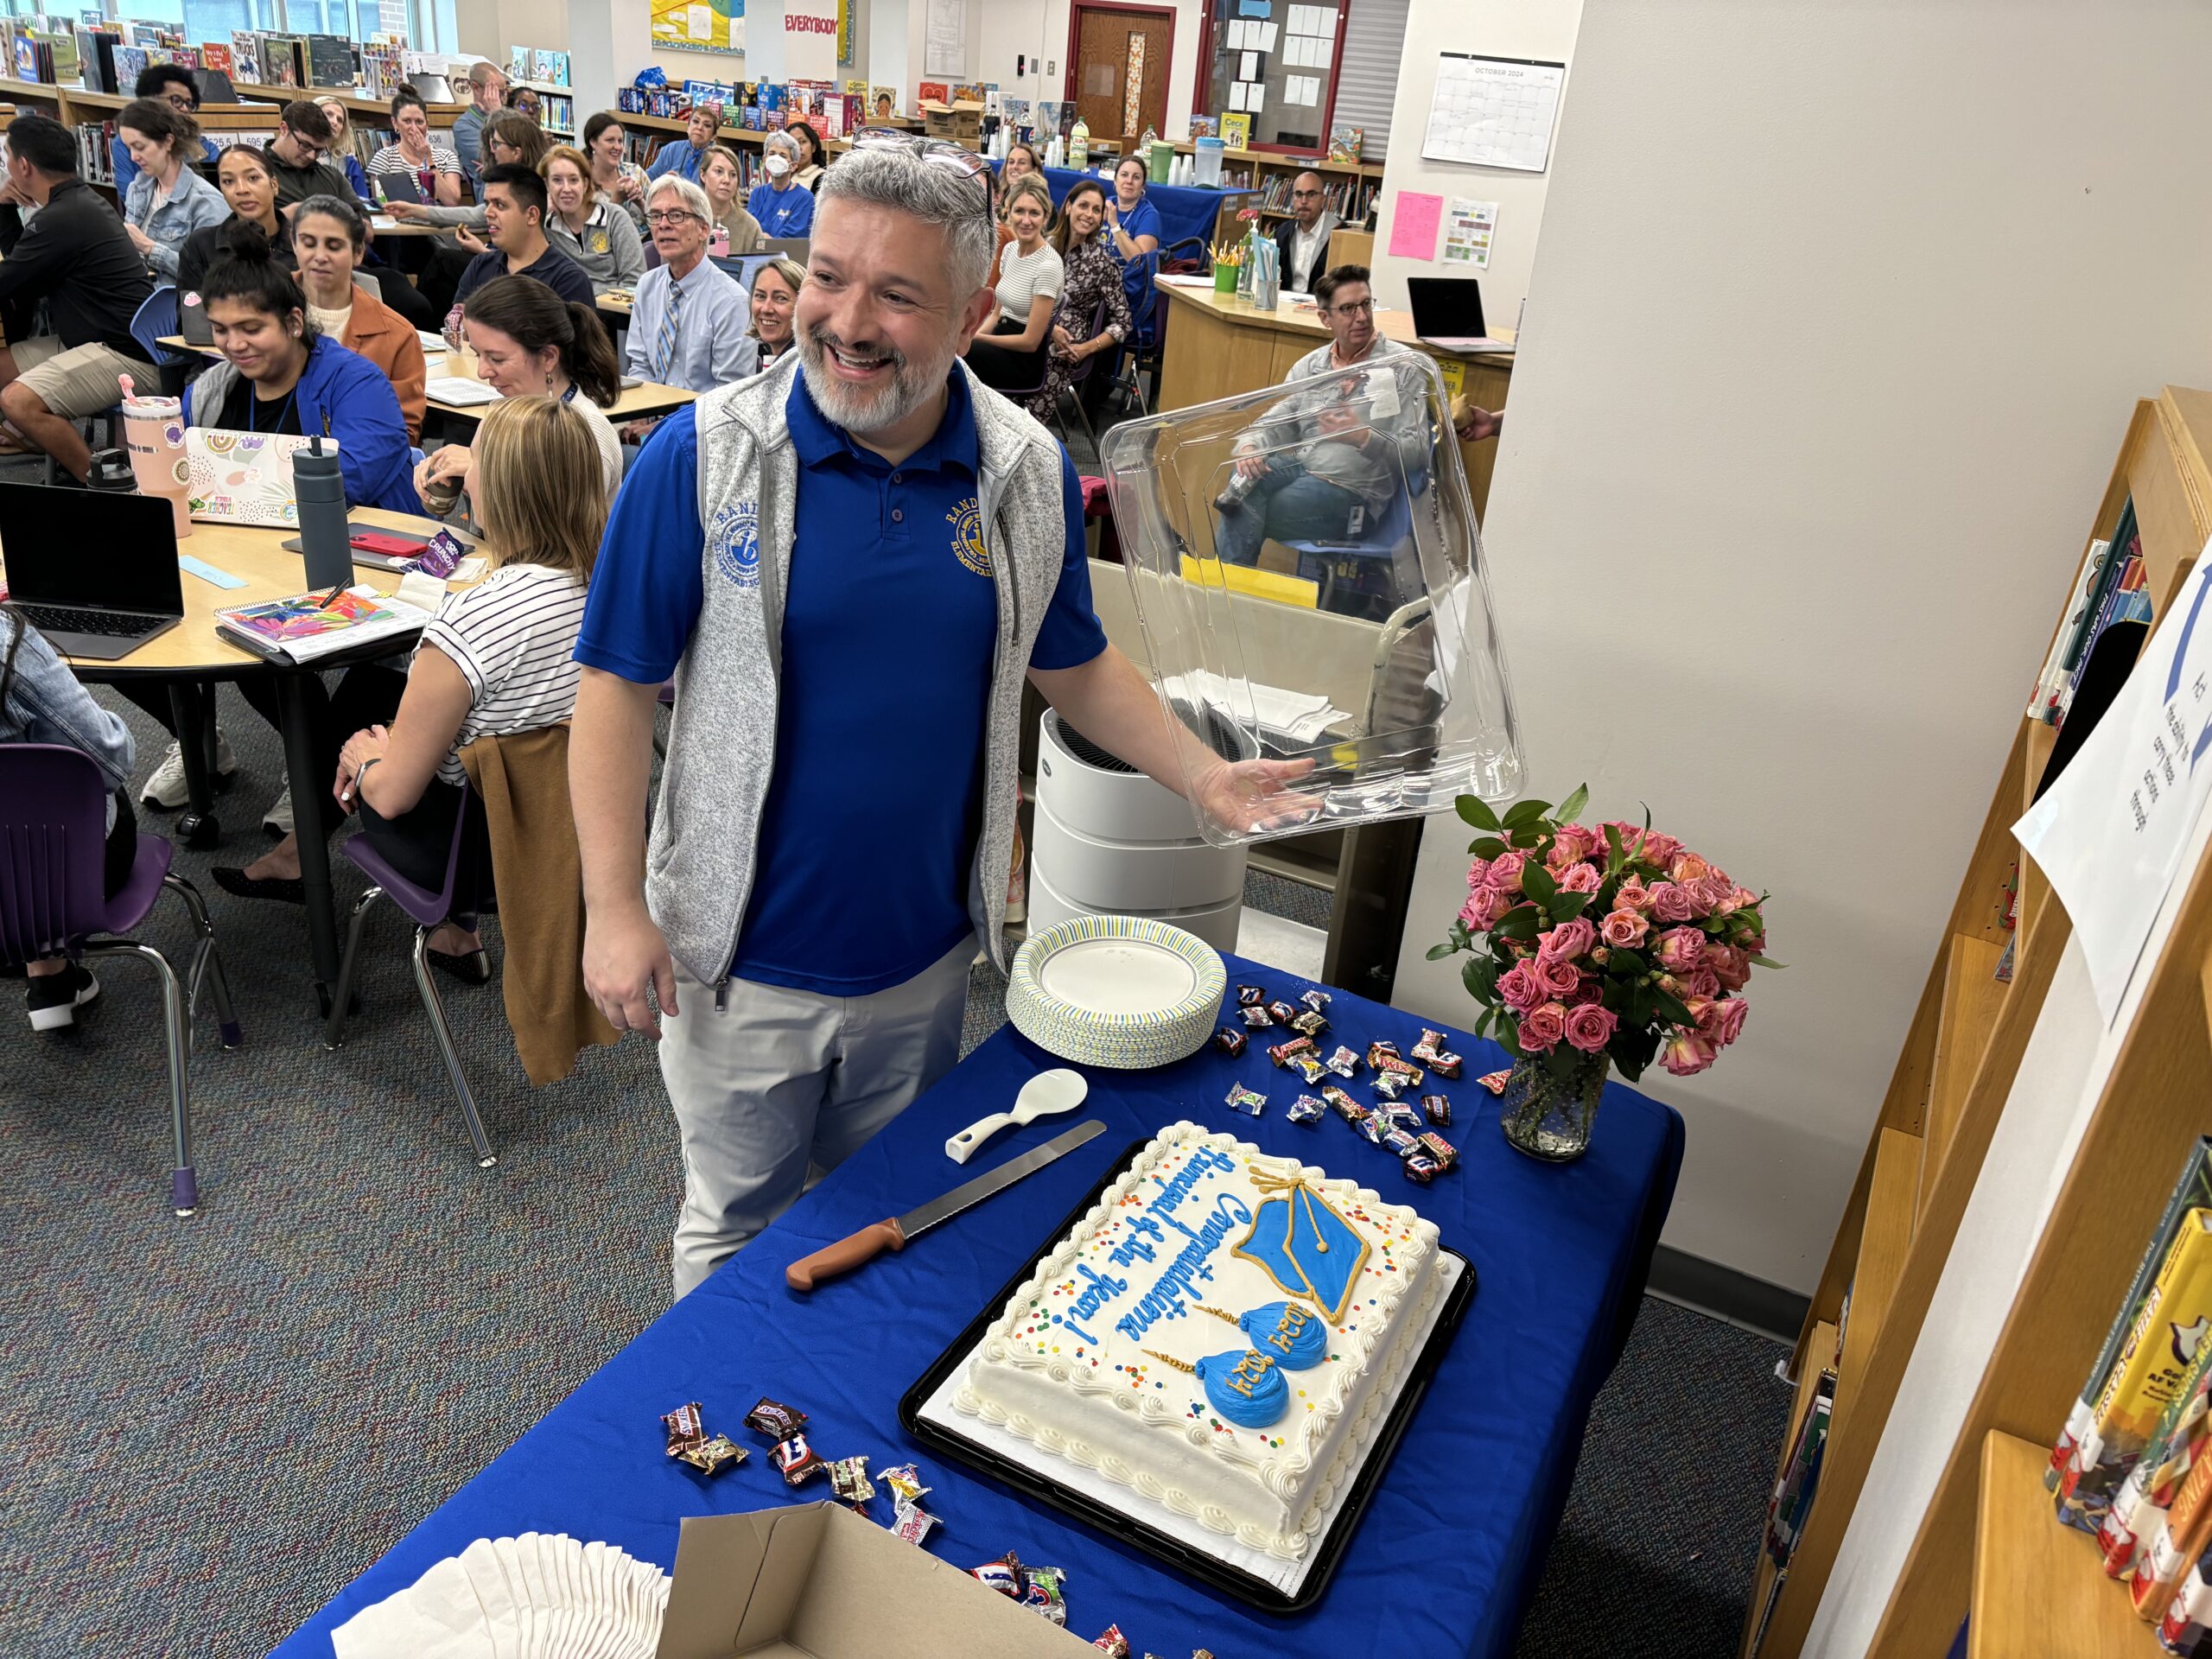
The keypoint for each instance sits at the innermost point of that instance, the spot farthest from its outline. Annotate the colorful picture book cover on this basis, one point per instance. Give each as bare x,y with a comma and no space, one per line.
309,616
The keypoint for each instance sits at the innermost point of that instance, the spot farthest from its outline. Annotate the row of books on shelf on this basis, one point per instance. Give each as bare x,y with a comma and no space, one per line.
2132,1467
2113,587
110,56
1350,198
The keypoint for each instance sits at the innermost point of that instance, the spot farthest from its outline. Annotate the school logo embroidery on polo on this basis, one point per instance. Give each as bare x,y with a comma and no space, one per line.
602,241
737,543
967,522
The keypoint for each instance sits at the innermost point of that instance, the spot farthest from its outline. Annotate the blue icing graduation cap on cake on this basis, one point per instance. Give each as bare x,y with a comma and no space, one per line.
1303,1245
1245,1387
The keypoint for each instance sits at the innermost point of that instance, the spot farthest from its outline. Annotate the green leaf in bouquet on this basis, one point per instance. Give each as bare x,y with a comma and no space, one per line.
1624,964
1671,1007
1508,1037
1476,811
1615,855
1565,907
1538,882
1521,922
1766,961
1571,807
1479,976
1438,952
1486,846
1527,837
1521,813
1562,1060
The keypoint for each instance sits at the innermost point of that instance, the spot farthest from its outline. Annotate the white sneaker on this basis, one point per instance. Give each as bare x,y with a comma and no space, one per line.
277,820
166,789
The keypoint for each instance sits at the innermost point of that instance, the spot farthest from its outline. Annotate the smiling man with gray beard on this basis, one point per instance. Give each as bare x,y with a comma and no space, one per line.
849,563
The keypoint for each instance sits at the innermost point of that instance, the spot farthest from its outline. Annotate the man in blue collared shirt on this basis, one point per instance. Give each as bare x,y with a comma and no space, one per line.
682,160
687,317
851,562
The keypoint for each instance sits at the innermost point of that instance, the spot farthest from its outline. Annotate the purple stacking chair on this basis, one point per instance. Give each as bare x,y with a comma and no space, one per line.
426,908
53,899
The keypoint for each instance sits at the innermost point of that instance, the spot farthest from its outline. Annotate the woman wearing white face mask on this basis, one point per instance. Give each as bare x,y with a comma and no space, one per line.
781,206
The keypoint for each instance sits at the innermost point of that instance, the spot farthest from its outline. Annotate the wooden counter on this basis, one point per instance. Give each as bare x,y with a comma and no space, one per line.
1219,346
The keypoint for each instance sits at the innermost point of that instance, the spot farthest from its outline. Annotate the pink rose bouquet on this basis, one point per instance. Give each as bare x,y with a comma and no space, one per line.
1615,940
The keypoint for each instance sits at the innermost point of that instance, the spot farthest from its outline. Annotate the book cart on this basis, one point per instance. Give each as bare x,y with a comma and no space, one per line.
1989,1541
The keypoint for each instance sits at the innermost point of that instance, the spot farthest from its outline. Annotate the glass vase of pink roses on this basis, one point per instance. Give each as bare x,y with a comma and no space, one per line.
1591,949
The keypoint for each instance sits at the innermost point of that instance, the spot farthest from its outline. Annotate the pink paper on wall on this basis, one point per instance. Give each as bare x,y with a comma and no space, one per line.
1413,227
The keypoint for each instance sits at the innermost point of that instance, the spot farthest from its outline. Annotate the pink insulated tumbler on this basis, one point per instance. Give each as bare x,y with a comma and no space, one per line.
153,431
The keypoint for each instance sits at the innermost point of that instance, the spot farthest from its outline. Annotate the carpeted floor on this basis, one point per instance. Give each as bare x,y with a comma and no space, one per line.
207,1427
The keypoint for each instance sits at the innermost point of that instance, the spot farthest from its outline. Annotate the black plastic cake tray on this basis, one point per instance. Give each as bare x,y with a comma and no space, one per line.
1122,1526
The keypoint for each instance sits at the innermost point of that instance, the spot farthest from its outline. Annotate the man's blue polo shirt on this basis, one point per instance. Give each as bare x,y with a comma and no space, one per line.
875,800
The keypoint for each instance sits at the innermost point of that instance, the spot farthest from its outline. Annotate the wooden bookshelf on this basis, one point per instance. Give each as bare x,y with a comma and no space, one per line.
1821,1341
1954,1073
2039,1587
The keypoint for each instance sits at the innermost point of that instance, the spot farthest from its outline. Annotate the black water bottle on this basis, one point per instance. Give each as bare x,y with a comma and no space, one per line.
326,543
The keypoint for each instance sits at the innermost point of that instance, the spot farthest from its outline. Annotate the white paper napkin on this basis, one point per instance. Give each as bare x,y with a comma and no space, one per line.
540,1596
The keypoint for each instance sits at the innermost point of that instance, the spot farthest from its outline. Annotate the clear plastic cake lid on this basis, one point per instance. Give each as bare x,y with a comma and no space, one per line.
1306,569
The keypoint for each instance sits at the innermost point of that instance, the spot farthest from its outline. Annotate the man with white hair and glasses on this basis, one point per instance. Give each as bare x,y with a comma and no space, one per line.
688,316
850,563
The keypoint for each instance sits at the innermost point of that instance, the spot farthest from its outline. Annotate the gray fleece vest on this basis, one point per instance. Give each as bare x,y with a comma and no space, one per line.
722,750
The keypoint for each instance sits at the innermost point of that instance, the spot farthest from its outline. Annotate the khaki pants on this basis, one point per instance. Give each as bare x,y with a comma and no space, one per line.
79,380
779,1086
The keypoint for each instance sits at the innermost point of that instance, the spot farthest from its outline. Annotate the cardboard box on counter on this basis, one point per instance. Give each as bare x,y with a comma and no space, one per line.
817,1581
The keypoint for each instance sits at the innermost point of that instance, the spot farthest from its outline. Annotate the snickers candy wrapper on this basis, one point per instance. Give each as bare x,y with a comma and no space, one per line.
1251,996
1307,1109
1316,999
1229,1041
1247,1100
1311,1023
775,1420
1345,1062
1284,1053
684,1428
912,1523
713,1455
1437,1109
1438,1148
1110,1640
798,1461
905,1480
1494,1081
1255,1017
1420,1167
1404,1143
1003,1575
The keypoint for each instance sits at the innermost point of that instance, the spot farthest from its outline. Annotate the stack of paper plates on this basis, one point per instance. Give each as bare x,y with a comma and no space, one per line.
541,1596
1116,991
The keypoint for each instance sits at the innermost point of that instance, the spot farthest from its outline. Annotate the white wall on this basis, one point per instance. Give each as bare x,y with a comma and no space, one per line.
1834,335
1505,29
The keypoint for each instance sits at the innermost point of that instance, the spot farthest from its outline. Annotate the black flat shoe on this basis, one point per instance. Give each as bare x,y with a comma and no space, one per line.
284,890
470,967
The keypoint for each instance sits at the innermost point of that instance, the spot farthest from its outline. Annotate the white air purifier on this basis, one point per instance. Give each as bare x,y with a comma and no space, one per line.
1106,841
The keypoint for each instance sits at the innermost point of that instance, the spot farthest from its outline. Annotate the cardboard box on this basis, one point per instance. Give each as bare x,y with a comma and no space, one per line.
819,1582
961,119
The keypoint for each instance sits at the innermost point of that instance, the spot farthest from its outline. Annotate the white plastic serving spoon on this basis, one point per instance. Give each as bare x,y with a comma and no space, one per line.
1043,1095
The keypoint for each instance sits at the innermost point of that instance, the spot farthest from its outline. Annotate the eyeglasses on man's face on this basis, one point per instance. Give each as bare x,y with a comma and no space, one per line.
669,215
1352,309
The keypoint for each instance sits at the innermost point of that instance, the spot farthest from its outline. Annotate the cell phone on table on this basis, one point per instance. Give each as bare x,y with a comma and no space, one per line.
385,543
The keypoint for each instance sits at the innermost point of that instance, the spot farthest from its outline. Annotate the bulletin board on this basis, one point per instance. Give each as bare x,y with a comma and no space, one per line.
700,25
1492,111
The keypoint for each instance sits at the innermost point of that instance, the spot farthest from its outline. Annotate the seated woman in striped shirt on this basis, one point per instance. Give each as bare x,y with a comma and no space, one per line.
497,660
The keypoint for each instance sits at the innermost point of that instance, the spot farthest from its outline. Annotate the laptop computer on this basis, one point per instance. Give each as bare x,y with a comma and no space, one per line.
1448,313
103,607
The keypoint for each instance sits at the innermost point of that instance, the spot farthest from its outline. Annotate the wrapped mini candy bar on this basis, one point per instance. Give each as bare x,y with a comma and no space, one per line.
1389,1085
1307,1109
1494,1081
1438,1148
1003,1575
1316,999
1310,1023
1309,1066
1284,1012
1229,1041
1041,1592
1110,1640
1404,1143
1392,1065
911,1523
1399,1114
775,1420
1345,1062
904,1481
1247,1100
1251,996
1437,1109
1420,1167
1256,1018
1343,1104
1284,1053
849,1479
1373,1127
798,1461
684,1428
1378,1048
1447,1066
1426,1048
715,1454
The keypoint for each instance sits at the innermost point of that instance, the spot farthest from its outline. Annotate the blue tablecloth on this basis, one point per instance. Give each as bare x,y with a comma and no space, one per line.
1184,210
1452,1544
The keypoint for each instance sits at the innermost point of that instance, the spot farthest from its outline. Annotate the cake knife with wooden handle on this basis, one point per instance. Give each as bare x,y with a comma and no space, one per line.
867,1244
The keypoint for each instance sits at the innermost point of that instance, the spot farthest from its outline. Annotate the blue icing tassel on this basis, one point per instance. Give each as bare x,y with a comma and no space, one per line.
1247,1388
1293,1336
1305,1247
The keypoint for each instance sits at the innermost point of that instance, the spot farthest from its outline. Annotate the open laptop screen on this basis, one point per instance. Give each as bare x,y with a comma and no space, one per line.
92,548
